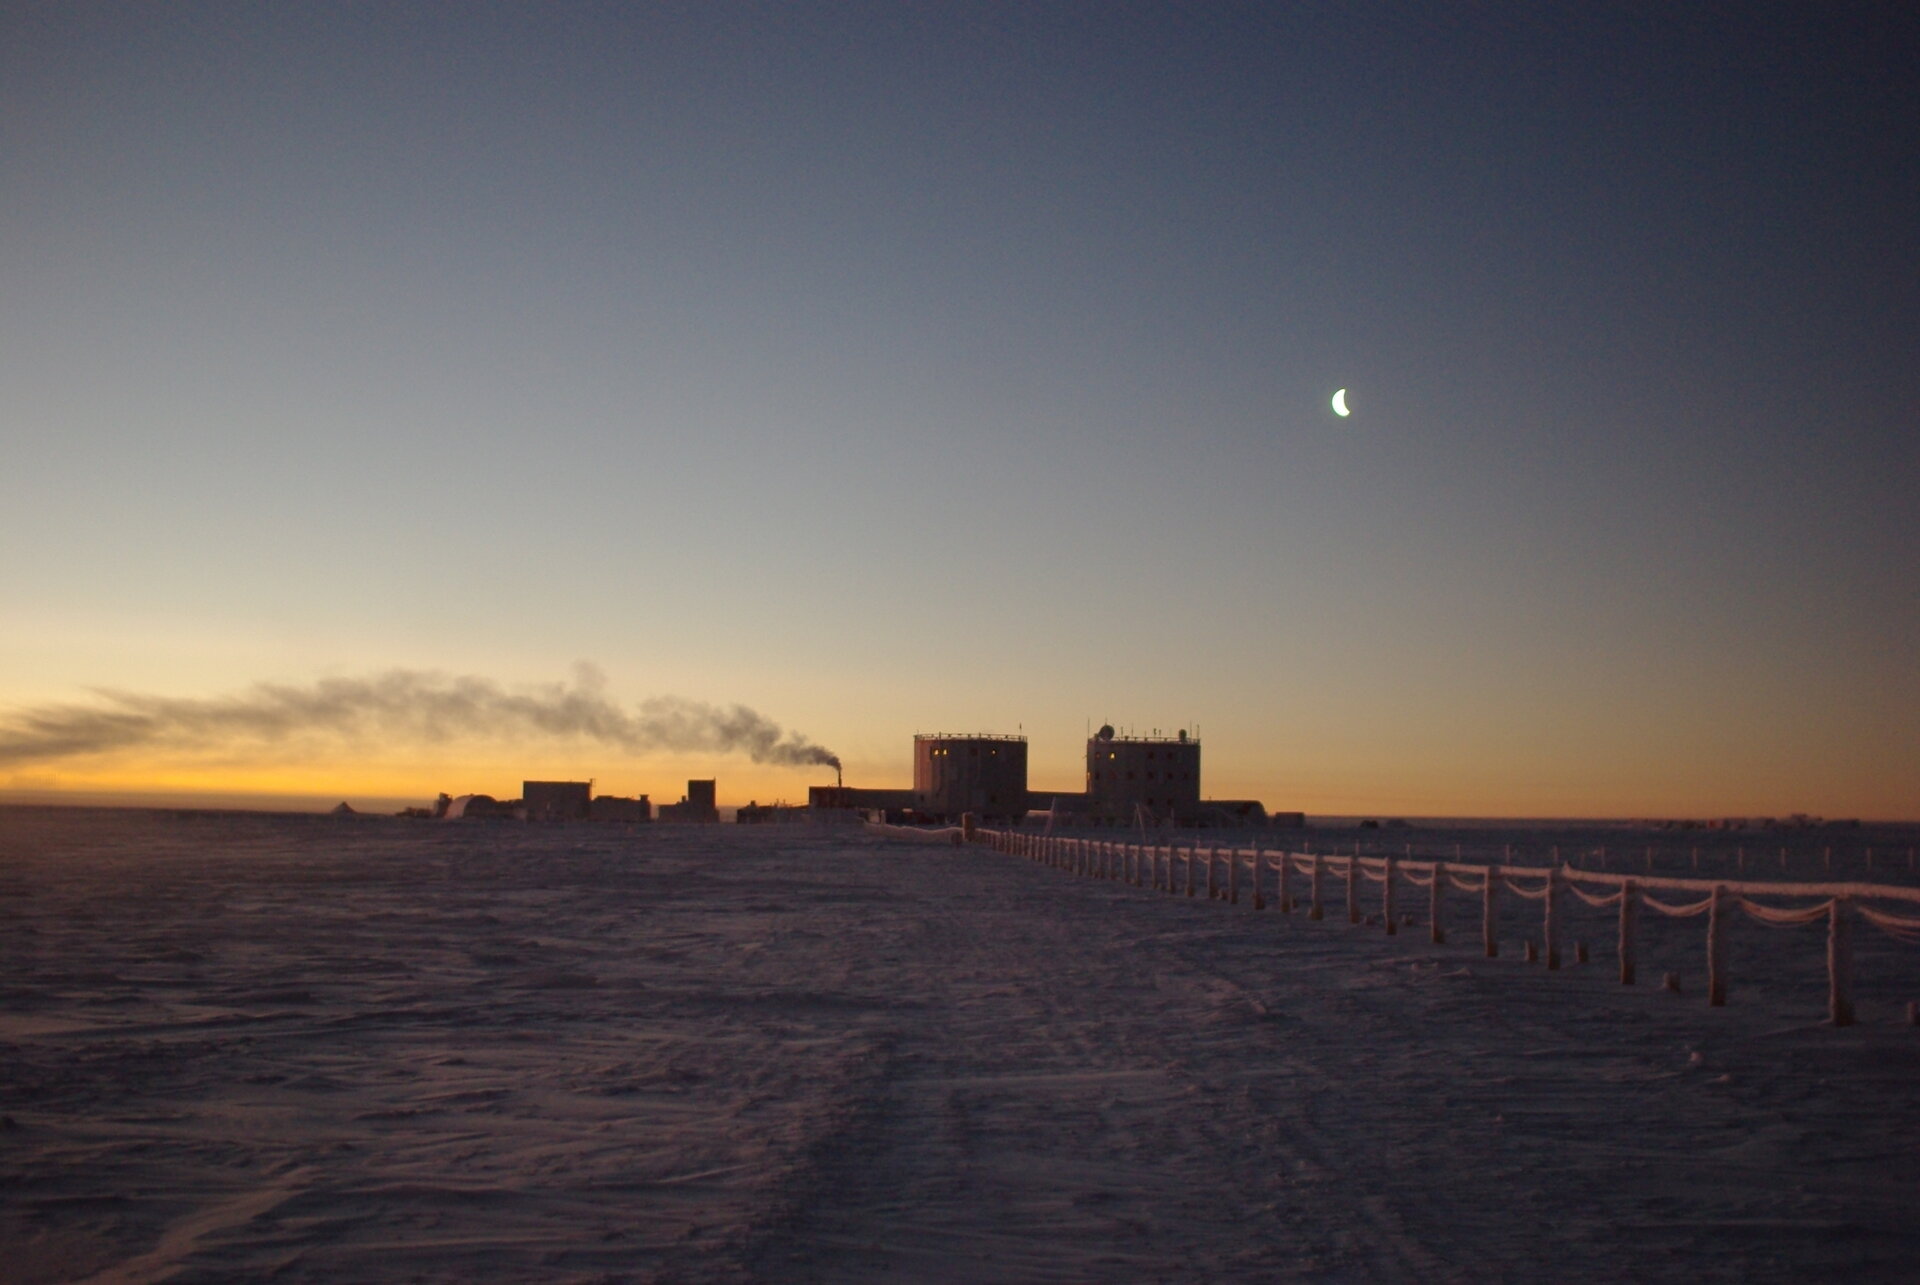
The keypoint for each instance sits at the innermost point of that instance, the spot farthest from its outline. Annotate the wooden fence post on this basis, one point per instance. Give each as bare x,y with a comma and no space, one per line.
1259,900
1281,895
1386,897
1190,853
1313,876
1629,911
1839,965
1550,929
1717,947
1436,903
1233,876
1353,886
1490,913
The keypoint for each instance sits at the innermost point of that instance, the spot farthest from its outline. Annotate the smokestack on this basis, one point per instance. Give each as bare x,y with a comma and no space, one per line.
838,780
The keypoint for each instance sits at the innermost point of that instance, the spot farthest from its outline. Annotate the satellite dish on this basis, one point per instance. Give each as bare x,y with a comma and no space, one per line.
1105,733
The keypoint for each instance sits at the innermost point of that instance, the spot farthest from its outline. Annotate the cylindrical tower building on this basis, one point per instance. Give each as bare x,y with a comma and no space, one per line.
983,774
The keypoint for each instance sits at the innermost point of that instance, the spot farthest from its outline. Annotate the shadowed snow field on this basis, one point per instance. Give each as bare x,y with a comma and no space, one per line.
241,1047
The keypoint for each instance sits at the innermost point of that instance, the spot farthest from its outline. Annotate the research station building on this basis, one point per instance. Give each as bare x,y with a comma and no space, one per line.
1160,774
981,773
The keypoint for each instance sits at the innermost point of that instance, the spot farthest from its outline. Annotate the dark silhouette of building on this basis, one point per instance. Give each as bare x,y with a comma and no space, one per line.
697,805
1157,774
1131,780
556,800
608,807
983,774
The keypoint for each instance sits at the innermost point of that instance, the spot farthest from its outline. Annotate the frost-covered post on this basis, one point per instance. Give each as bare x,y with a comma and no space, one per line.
1213,890
1259,899
1313,882
1629,911
1550,928
1353,886
1190,871
1386,896
1233,876
1280,894
1839,964
1437,902
1717,947
1490,912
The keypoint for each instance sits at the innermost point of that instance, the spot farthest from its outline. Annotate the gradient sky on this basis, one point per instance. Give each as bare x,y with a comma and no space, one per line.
908,367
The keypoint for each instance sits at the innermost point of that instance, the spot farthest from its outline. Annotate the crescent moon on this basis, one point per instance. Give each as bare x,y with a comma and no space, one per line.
1340,404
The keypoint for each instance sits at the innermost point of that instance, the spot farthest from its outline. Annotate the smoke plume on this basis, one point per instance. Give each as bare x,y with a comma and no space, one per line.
400,706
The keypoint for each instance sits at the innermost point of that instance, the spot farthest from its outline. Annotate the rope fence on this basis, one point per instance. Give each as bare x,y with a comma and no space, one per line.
1183,869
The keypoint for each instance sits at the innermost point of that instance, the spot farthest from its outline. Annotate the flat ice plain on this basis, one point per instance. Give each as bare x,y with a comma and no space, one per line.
245,1047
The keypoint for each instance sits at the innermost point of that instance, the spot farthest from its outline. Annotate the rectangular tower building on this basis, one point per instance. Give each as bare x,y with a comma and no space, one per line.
1158,773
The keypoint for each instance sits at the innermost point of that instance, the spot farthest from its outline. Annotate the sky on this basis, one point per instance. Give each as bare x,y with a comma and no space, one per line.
896,368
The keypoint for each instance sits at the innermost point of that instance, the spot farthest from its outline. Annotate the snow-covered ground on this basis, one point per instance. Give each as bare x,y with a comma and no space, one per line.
240,1047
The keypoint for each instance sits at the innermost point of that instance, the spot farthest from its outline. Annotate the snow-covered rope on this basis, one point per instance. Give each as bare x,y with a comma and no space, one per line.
1593,900
1672,911
1779,917
1538,894
1901,928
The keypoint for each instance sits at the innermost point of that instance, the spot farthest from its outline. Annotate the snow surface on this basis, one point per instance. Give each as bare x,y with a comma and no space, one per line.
347,1048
